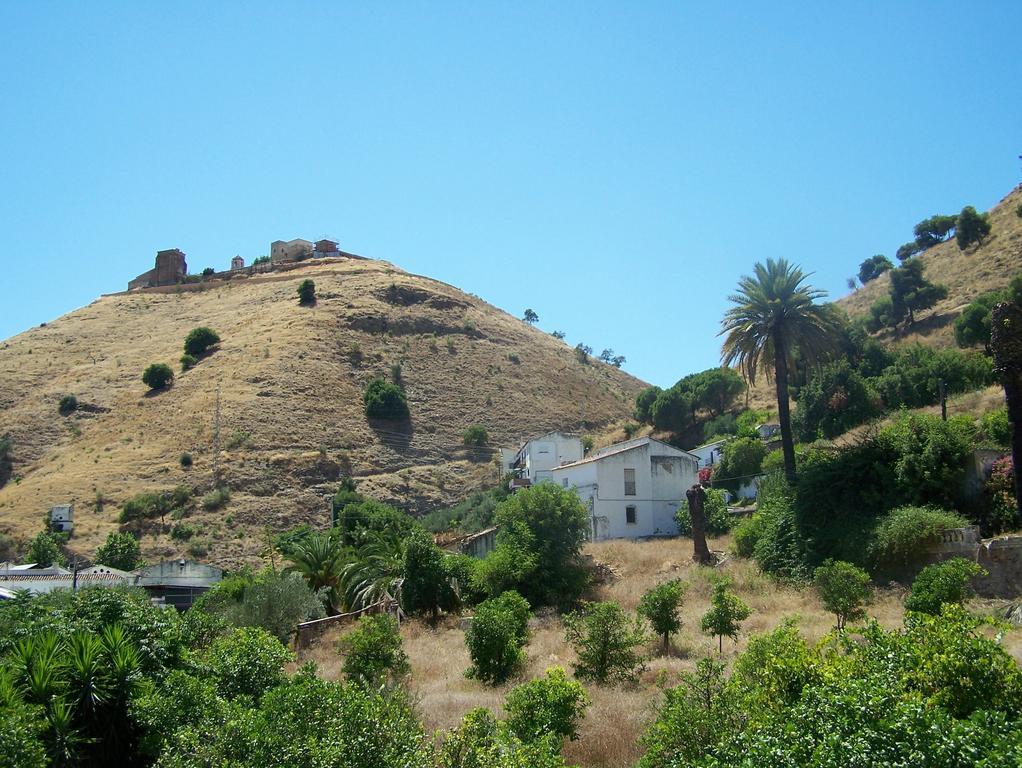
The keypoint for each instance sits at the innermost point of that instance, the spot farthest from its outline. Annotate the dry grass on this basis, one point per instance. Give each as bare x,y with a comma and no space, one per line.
289,377
618,715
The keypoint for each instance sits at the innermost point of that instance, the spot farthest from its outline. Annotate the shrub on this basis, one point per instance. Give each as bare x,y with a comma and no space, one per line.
384,400
942,583
844,590
199,340
68,404
604,639
630,429
582,352
718,521
495,639
426,587
157,376
186,460
542,529
481,742
746,534
902,535
372,652
932,454
725,424
995,426
659,606
239,439
182,532
216,498
740,460
552,704
834,400
276,602
476,435
306,292
726,614
188,362
247,662
121,550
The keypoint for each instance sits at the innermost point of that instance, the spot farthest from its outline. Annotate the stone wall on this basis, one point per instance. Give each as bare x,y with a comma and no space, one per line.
1000,557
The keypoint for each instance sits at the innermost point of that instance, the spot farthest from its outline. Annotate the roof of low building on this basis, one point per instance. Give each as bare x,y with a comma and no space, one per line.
629,445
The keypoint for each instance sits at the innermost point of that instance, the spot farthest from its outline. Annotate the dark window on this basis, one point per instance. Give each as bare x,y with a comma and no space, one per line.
629,482
630,515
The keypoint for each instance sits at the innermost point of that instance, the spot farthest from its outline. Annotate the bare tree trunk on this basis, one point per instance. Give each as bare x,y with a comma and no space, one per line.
696,496
783,410
1006,343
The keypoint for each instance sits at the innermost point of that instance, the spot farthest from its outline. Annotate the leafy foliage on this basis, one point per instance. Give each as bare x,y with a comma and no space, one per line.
726,614
718,521
972,227
426,587
307,292
605,639
941,584
530,317
659,605
933,230
199,340
844,590
373,656
120,550
911,292
740,460
548,705
44,551
476,435
873,267
247,662
496,636
901,536
68,404
157,376
384,400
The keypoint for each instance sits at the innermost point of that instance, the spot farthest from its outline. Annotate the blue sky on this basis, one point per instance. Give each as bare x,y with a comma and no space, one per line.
614,166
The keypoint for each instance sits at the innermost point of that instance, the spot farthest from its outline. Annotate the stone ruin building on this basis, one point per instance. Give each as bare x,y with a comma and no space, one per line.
171,269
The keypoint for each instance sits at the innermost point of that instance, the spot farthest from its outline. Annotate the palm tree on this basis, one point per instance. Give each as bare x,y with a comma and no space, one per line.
320,559
376,569
775,316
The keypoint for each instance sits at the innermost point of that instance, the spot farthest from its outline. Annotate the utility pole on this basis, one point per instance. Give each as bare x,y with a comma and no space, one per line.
216,439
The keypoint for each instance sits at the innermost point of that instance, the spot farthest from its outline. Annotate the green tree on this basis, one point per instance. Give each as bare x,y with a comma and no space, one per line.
248,662
276,602
548,705
741,459
933,230
844,590
716,389
873,267
774,315
530,317
972,227
157,376
320,560
121,550
726,614
426,588
372,652
659,606
911,292
907,251
548,524
605,641
941,584
972,327
495,638
199,340
44,551
718,521
644,404
673,410
476,435
384,400
68,404
306,292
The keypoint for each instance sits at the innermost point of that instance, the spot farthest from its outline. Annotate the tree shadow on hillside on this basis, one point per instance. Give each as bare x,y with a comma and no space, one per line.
396,435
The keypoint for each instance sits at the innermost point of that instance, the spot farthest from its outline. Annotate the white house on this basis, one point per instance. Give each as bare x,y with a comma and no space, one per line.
632,489
536,460
709,453
62,518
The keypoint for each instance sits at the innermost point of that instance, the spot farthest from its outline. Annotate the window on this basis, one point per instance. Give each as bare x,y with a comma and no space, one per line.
630,515
629,482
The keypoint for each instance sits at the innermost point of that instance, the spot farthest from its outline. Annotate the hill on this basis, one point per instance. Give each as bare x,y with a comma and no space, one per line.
292,421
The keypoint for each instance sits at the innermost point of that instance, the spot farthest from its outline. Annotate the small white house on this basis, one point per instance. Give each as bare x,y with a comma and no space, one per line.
536,460
62,518
632,489
709,453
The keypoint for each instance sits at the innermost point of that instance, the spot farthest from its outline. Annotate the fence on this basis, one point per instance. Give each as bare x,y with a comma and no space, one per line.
309,630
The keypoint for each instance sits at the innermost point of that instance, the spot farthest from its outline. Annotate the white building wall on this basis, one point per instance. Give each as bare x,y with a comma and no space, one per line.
548,452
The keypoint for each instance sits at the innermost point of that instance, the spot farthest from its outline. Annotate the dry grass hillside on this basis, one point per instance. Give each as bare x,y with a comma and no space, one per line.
292,421
618,715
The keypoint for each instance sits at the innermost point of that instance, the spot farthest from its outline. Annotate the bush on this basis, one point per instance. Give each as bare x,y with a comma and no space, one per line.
247,662
542,529
68,404
746,534
199,340
553,704
942,583
476,435
844,590
932,455
740,460
995,426
44,551
276,603
726,614
188,362
426,587
718,521
186,460
659,606
306,292
834,400
495,639
216,499
902,535
121,551
157,376
604,639
372,652
384,400
725,424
